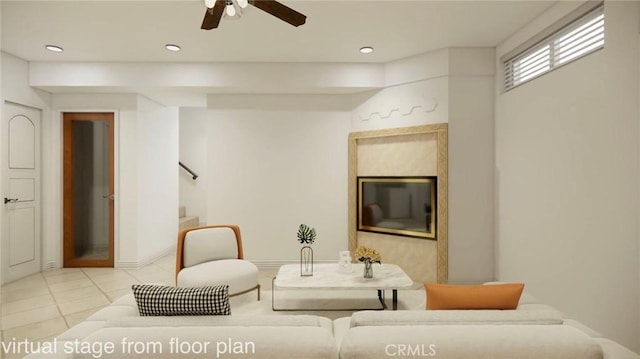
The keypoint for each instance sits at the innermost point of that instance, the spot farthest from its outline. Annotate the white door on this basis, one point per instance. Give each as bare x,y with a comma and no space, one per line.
21,243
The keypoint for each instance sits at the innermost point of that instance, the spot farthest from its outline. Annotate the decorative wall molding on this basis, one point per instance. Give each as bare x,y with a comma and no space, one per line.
426,106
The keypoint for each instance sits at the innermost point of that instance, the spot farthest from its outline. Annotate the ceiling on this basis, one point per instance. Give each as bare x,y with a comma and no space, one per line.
125,31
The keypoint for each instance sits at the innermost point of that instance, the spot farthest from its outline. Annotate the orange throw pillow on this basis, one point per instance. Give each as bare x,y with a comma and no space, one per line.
450,296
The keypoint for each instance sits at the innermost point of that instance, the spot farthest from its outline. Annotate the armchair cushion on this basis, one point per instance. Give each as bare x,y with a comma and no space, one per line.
239,275
213,255
209,244
162,300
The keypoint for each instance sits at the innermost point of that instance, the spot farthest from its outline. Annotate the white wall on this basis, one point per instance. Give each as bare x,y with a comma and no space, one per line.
415,93
269,169
15,83
193,153
183,83
471,161
157,185
420,103
471,182
567,180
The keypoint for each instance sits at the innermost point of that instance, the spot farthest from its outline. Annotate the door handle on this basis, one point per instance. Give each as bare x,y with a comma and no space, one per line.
109,196
10,200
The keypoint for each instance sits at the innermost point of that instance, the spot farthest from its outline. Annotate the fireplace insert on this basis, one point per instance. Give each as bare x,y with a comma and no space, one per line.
404,206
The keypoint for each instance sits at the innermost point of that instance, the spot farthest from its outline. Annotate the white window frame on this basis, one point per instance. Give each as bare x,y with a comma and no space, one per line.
550,50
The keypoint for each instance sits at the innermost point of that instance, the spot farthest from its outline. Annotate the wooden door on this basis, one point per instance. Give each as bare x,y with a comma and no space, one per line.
88,189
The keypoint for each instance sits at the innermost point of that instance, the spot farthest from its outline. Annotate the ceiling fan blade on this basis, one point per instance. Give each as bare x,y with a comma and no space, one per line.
212,16
280,11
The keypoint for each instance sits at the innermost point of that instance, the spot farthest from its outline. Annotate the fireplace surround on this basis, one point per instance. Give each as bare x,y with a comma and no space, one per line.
419,151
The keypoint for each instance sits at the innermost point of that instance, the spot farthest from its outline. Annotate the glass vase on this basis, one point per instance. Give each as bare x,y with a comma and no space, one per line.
368,269
344,263
306,261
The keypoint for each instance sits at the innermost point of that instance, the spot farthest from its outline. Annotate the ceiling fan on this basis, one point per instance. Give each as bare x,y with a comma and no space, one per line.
214,11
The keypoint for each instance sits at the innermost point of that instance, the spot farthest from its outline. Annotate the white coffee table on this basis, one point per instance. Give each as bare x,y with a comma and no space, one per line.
327,276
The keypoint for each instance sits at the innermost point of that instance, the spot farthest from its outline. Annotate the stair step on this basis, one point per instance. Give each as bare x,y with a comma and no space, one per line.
182,211
189,222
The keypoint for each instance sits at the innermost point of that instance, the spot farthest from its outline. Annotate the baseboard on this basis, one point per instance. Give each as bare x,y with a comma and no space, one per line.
124,264
136,264
51,265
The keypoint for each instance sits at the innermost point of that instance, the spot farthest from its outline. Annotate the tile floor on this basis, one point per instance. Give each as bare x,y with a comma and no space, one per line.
43,305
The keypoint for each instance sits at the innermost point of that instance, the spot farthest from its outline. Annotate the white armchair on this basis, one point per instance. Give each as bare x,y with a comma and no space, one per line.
212,255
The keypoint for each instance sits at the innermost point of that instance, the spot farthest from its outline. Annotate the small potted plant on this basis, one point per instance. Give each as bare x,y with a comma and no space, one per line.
367,256
306,237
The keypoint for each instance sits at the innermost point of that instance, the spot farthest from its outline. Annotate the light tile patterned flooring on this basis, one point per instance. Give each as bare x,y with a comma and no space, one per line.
43,305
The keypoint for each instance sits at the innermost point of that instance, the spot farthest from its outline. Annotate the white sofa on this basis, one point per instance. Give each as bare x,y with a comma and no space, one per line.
534,330
133,336
470,334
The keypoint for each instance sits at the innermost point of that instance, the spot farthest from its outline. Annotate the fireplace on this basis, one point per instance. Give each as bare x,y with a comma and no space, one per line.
403,206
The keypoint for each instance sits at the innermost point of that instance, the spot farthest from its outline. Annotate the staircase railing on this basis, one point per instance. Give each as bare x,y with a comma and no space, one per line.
193,174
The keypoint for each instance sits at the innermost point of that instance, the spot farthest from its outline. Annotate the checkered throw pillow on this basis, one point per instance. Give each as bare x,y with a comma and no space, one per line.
162,300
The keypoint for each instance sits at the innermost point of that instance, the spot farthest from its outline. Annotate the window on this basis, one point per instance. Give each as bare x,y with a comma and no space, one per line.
579,38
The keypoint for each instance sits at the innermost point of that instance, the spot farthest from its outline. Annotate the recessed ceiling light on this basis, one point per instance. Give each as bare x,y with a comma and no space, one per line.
54,48
172,47
366,50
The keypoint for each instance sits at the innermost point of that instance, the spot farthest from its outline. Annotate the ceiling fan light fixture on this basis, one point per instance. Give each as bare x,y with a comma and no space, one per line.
230,10
366,50
172,47
54,48
234,9
209,3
